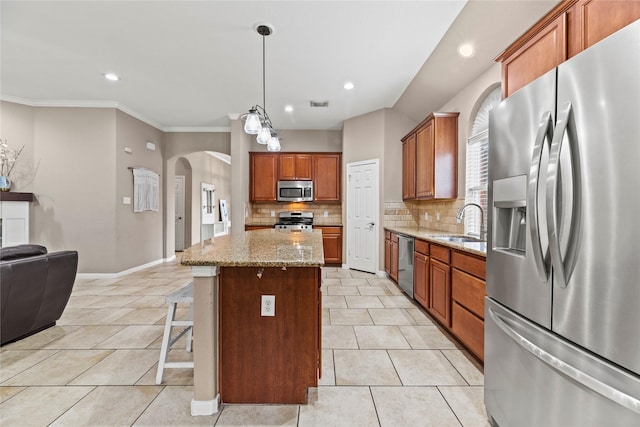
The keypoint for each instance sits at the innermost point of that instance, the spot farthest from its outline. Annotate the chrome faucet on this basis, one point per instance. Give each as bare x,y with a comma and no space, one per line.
461,213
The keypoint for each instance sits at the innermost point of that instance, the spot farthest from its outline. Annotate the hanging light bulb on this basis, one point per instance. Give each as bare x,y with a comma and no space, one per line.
264,136
252,124
274,144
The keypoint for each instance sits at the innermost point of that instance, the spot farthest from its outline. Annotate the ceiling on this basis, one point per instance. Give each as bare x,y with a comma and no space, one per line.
191,65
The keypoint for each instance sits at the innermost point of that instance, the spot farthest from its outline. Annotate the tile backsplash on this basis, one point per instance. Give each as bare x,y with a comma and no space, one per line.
441,215
260,213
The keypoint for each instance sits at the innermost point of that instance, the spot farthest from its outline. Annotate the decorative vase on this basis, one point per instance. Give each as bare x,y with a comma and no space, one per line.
5,183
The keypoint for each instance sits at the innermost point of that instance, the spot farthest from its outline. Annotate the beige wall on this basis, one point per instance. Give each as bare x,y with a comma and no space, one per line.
467,102
307,140
376,135
74,163
75,184
175,145
17,130
210,170
138,235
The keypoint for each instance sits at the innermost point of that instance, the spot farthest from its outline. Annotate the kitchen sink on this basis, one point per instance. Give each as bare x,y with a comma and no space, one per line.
459,239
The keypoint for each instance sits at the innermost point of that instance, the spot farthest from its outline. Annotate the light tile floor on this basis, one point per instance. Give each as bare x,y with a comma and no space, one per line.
385,363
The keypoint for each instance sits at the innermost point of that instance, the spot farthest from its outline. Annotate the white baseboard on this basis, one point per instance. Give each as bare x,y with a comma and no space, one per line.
382,274
345,266
205,407
125,272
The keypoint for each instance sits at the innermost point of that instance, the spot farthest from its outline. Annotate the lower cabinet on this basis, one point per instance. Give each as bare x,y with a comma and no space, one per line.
468,285
387,251
440,288
393,257
421,278
450,285
332,243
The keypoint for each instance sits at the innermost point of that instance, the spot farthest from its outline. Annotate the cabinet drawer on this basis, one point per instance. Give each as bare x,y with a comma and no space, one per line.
469,263
331,230
387,234
422,247
440,252
469,329
468,291
394,237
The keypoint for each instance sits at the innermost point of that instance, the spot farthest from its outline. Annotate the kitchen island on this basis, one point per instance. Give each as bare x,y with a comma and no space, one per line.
257,317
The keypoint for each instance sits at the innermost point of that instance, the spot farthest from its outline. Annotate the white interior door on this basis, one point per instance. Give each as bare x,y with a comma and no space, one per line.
362,215
179,217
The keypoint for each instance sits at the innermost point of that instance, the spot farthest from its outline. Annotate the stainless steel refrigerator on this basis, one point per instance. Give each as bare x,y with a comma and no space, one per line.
562,314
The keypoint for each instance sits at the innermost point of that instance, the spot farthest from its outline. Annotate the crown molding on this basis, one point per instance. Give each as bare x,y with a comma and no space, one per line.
196,129
109,104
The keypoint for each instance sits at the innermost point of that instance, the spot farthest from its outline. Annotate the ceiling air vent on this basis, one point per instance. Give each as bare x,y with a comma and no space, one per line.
319,104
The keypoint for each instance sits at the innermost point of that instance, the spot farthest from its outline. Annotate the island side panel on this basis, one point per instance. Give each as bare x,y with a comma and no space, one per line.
205,337
268,359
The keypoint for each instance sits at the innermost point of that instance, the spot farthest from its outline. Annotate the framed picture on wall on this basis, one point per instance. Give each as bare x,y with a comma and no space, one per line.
224,214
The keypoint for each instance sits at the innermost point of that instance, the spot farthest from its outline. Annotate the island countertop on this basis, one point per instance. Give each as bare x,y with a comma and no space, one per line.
258,248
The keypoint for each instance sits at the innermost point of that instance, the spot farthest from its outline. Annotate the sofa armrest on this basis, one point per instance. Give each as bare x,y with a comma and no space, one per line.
21,251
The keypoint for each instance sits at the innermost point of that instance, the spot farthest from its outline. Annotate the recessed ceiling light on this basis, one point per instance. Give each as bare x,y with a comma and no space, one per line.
112,76
466,50
288,108
348,85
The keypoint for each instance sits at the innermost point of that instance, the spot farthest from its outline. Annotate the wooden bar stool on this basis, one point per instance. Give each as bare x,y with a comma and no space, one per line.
183,295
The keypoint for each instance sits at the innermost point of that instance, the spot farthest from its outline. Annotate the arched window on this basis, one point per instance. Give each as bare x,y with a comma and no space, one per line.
477,163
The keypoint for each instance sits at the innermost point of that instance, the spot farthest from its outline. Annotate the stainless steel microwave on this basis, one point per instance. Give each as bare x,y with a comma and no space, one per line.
295,191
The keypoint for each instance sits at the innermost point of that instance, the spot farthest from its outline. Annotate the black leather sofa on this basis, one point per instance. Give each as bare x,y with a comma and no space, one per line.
35,288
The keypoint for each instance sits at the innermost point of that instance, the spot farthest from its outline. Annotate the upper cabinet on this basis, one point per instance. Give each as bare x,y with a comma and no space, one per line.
294,166
430,159
263,177
409,167
568,29
266,169
327,169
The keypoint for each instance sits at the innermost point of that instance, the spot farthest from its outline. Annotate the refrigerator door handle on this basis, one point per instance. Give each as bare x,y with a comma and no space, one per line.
566,369
563,266
545,132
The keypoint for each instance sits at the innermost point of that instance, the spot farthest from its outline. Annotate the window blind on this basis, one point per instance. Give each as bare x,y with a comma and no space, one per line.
477,179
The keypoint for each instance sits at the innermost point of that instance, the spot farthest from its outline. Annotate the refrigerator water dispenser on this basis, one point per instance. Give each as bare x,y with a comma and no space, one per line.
510,214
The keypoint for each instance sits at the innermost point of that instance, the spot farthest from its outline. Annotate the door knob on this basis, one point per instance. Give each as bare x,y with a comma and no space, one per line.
371,224
178,218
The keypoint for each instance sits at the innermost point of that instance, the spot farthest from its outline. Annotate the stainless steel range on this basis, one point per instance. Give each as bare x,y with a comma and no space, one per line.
295,221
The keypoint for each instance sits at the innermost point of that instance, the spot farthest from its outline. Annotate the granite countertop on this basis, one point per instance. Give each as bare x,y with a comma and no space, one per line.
258,248
475,248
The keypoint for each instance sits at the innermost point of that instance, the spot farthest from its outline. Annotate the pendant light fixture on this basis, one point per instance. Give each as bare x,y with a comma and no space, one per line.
257,121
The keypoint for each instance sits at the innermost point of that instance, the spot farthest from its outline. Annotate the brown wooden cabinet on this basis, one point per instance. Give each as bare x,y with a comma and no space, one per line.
284,351
332,244
544,51
568,29
256,227
326,177
393,257
431,169
387,251
592,20
440,285
468,290
421,273
263,168
409,167
294,166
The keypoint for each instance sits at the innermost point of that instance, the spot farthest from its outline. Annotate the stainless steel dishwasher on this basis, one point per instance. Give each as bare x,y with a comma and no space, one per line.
405,263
